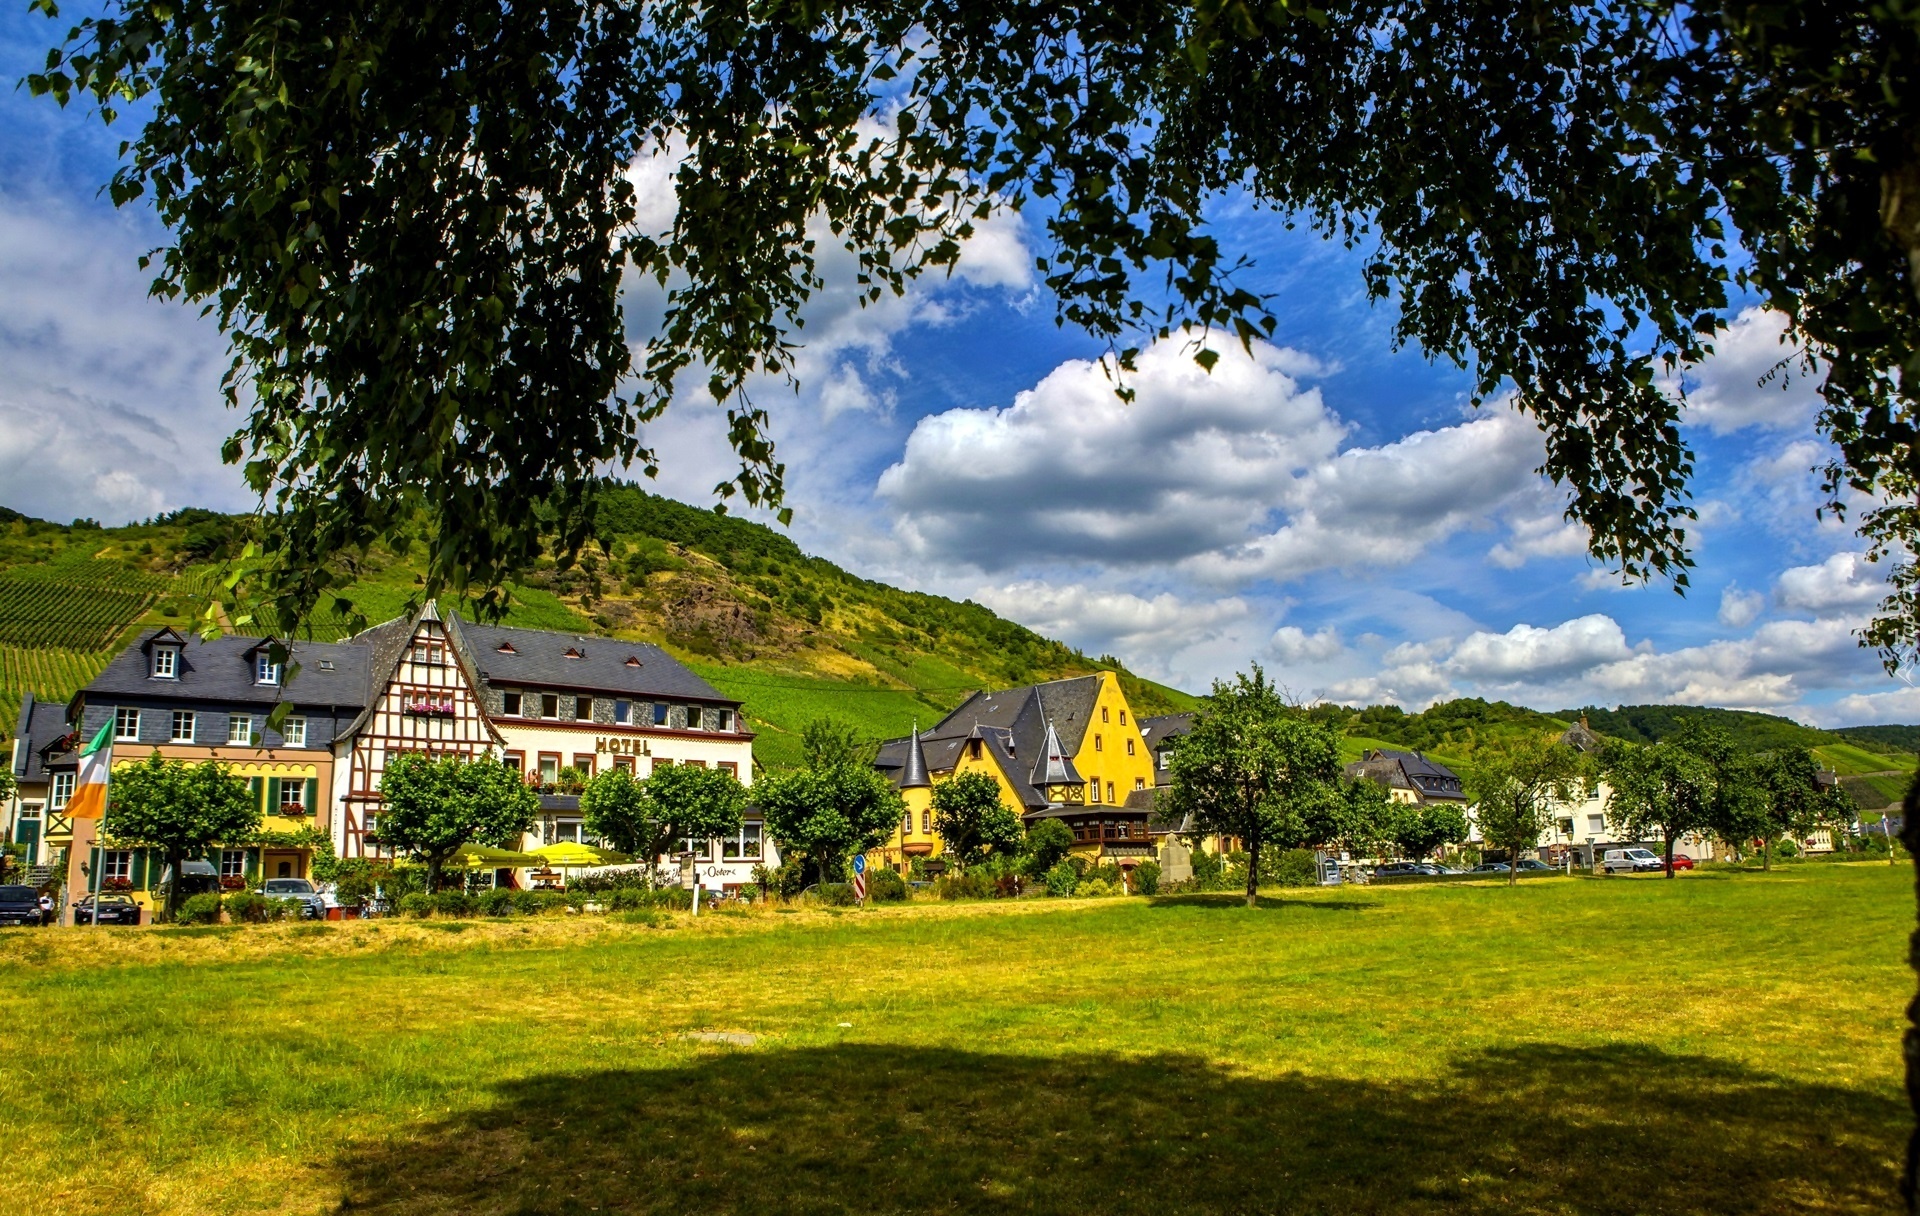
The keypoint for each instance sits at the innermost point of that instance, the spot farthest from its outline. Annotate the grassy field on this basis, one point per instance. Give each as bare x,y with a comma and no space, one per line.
1726,1042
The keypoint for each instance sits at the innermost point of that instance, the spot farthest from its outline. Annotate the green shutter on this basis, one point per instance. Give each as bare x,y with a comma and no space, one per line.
259,790
138,875
313,796
273,795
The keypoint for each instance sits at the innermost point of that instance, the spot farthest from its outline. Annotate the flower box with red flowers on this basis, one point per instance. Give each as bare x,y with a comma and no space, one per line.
430,709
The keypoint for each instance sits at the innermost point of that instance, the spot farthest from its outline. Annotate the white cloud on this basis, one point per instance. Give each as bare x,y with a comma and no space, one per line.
1099,620
1386,505
1738,608
1069,472
1292,644
1843,581
1753,378
109,400
1533,534
1534,654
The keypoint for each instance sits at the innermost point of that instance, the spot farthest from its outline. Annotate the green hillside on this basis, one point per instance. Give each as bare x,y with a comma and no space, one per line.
793,636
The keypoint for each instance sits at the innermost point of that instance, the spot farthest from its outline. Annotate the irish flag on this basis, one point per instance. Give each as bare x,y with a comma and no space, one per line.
89,799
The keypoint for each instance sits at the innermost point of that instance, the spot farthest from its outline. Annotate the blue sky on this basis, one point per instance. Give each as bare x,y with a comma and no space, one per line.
1330,508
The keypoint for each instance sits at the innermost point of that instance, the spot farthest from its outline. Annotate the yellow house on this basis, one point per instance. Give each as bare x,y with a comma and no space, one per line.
1066,749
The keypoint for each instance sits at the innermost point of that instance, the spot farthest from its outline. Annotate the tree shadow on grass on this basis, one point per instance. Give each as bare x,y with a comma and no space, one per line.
1237,901
890,1129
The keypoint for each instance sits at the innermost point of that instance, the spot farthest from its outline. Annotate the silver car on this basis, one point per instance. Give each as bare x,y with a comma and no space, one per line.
313,904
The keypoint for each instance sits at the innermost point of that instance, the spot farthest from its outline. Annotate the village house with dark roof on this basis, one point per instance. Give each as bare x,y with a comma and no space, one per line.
1065,749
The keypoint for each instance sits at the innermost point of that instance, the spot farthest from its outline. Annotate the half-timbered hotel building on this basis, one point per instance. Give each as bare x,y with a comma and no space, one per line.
428,683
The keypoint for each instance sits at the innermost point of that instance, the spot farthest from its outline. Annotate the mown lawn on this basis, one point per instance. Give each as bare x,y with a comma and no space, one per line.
1724,1042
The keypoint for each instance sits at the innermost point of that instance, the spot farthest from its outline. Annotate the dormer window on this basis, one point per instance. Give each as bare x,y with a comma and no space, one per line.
506,648
633,660
574,652
166,662
265,670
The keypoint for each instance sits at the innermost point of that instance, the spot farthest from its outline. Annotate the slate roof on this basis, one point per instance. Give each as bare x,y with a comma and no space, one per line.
1409,771
539,659
42,723
1580,737
913,774
221,669
1157,731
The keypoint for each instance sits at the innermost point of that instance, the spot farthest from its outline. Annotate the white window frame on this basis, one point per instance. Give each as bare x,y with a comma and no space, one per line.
240,730
122,716
166,663
696,718
293,732
734,847
116,864
296,786
513,704
726,720
233,863
193,726
1094,786
60,789
265,670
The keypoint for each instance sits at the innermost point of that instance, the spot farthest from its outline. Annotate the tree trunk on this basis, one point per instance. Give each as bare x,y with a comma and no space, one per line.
1669,836
174,862
1910,1042
433,873
1766,855
1253,872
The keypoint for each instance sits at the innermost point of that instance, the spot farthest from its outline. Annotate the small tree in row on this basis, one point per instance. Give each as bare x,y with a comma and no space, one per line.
643,816
973,821
1517,786
178,810
433,808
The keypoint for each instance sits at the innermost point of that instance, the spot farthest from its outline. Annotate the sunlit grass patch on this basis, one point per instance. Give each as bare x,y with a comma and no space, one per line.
1714,1043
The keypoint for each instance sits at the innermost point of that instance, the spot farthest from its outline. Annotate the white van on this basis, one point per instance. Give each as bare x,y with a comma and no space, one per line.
1631,861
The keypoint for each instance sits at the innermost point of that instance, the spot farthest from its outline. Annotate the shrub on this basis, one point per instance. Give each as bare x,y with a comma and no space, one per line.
638,916
834,894
963,886
497,902
1080,865
1047,842
1209,871
1146,878
886,887
355,881
1297,868
453,903
1093,887
417,904
626,899
1060,879
284,909
248,907
787,880
198,910
1786,848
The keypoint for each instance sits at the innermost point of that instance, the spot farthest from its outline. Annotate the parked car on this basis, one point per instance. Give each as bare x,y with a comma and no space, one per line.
196,878
1682,862
1489,867
1631,861
313,905
1404,869
20,906
1533,865
115,909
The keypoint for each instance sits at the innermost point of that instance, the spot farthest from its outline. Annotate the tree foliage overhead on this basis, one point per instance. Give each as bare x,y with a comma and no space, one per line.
415,222
1517,788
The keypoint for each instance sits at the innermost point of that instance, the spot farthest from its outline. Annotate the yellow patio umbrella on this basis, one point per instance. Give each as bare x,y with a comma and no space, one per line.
485,857
571,855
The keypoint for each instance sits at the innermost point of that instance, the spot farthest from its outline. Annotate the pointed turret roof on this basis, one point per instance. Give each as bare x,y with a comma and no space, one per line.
913,775
1053,766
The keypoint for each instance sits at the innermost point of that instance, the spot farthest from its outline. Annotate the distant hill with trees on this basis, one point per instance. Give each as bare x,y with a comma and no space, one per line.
793,636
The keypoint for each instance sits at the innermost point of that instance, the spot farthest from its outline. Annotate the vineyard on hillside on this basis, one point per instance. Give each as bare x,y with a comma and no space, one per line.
49,674
66,616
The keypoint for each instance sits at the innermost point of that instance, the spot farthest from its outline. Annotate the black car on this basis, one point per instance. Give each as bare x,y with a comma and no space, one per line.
20,906
115,909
